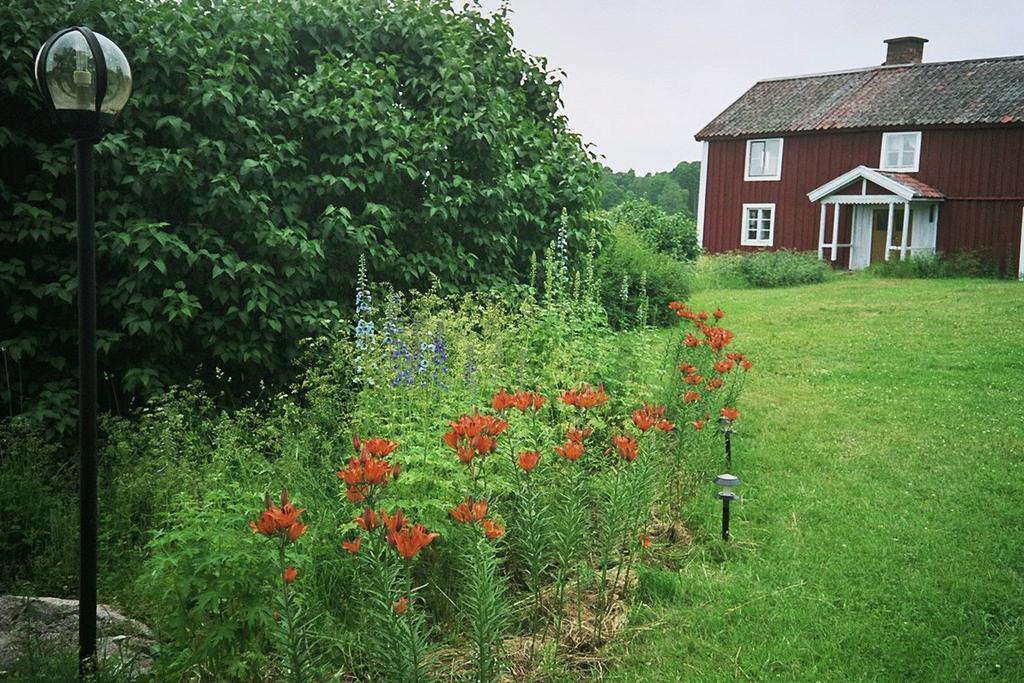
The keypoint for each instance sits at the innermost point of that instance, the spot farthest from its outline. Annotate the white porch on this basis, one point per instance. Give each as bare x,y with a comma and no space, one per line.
892,216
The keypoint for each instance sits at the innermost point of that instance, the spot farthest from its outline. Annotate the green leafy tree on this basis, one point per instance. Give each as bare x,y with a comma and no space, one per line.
671,234
674,191
268,143
687,176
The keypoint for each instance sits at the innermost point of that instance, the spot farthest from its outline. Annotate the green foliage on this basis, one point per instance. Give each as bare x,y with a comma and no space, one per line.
720,271
760,269
960,264
38,540
265,147
484,606
212,620
628,257
783,268
674,191
672,234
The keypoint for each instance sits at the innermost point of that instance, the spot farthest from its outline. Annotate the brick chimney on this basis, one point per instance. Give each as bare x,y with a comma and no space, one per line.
905,50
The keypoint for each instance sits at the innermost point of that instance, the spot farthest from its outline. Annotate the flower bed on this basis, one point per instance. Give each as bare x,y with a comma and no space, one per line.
548,500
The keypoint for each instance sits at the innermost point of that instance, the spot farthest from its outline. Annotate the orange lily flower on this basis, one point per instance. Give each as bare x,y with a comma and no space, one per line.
626,446
368,520
295,531
492,530
408,541
290,573
691,396
723,366
352,546
571,450
528,460
502,401
585,396
394,523
730,413
402,606
578,435
469,511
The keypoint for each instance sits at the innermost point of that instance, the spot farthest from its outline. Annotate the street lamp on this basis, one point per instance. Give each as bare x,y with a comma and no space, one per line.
727,482
86,81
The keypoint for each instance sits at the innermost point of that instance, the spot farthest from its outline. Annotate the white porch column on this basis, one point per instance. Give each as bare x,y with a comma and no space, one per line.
821,233
835,230
906,231
888,230
1020,257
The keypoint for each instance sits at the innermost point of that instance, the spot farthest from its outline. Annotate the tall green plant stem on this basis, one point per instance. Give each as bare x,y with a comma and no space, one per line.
290,629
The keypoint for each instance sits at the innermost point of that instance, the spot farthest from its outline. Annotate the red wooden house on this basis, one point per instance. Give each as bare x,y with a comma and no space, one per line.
870,164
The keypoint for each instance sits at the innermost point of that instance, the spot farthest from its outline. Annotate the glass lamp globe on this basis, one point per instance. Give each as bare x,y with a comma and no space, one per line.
84,77
727,482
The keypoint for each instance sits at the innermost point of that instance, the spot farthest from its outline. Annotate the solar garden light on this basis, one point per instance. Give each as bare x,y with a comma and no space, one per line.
727,482
725,427
85,81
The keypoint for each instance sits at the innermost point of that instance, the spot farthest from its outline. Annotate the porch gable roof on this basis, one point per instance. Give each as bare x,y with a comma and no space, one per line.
902,185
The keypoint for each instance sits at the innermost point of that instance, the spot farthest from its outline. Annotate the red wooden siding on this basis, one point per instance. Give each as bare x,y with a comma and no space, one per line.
981,172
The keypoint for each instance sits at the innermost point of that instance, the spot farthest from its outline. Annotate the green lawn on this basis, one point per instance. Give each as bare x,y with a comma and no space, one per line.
881,535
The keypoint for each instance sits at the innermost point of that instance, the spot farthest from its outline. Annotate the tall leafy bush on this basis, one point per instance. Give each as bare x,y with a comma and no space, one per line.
674,234
266,145
626,260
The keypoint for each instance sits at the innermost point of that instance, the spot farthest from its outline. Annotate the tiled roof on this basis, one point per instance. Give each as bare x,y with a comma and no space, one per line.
920,189
971,92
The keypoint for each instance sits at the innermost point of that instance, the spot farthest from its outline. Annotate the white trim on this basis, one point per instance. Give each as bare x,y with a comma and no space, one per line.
821,234
917,157
871,174
888,231
702,193
905,235
863,199
746,162
835,232
1020,257
744,241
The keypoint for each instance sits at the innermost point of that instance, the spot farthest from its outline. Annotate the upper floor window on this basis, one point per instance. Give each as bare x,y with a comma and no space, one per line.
901,151
758,225
764,159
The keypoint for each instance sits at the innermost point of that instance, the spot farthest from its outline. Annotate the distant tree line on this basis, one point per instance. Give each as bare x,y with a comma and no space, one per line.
673,191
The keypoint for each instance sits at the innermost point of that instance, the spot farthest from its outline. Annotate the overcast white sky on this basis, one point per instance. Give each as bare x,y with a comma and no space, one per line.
644,75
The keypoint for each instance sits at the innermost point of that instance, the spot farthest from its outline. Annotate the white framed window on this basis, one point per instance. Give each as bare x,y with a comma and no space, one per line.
764,159
901,151
758,225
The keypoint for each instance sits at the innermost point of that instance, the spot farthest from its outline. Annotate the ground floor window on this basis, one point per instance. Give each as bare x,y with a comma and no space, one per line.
758,225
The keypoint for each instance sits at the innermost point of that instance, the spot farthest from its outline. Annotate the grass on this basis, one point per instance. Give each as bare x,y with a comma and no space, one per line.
880,537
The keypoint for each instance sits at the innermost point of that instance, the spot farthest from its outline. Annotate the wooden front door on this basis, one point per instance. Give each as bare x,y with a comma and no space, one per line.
879,228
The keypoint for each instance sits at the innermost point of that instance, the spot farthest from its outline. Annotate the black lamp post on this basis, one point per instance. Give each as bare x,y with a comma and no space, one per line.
86,81
727,482
725,426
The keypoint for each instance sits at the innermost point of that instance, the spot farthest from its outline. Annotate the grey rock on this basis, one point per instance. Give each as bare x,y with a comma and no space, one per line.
51,624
